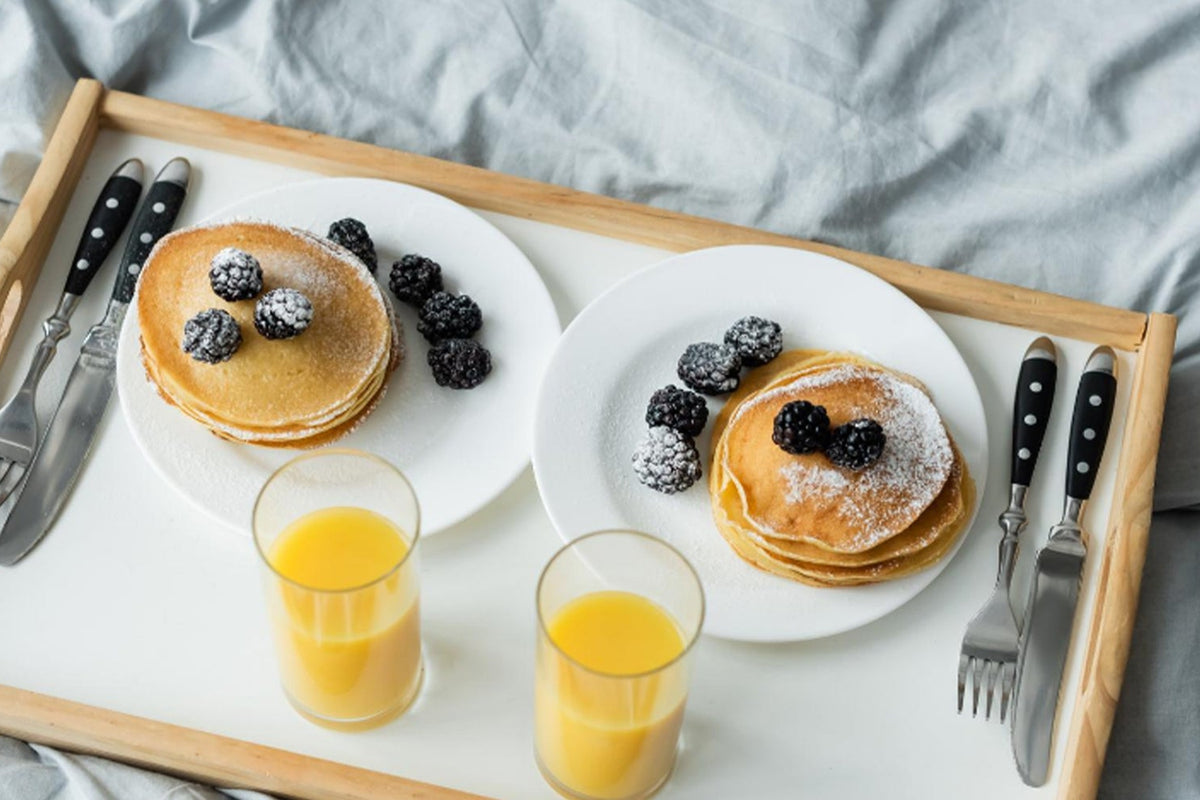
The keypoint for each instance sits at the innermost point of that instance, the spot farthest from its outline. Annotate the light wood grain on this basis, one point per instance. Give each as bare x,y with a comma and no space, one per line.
226,761
935,289
205,757
27,240
1121,567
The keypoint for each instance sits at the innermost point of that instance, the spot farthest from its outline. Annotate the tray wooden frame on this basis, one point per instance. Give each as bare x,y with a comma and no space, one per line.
229,762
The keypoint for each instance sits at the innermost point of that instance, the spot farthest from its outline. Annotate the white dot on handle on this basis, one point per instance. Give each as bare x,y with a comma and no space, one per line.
97,233
111,202
1035,387
81,264
133,268
1082,467
1030,419
146,238
158,208
1023,454
1089,434
1095,400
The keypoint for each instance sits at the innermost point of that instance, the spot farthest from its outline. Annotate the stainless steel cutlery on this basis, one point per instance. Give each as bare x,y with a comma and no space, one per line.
989,646
105,224
1054,593
1025,659
68,439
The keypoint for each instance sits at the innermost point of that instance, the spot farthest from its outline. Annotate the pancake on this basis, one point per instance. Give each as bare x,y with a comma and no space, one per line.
298,392
824,575
804,549
940,528
805,497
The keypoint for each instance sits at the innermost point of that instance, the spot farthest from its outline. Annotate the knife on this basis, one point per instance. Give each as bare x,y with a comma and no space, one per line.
60,456
110,215
1054,593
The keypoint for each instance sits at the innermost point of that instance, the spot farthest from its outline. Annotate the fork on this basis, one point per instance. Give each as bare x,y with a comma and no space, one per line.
18,418
989,647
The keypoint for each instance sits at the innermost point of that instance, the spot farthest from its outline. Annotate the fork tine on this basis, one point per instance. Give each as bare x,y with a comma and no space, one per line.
993,669
964,663
5,466
1007,677
978,681
9,480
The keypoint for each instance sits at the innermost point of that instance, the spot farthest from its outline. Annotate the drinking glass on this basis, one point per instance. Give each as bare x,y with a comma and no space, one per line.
605,733
343,605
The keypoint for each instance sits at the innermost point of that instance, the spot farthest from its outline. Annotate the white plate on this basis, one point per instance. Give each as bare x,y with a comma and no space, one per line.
625,345
459,448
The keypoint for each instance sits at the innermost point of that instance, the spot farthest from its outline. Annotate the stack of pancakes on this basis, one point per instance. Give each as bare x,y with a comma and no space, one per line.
300,392
801,517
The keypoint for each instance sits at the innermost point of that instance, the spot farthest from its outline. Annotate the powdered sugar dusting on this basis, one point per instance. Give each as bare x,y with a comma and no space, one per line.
329,290
807,479
912,470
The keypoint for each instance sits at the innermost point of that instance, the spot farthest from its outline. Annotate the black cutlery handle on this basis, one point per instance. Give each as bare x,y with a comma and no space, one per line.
1031,408
154,220
105,224
1090,422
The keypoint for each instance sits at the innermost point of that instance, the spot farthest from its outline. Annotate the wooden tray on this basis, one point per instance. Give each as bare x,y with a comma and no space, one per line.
230,762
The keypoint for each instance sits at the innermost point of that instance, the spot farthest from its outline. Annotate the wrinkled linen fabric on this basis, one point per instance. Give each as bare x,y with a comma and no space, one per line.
1047,143
33,772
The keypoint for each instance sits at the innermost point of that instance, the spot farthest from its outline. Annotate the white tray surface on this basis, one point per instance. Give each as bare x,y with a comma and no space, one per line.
136,602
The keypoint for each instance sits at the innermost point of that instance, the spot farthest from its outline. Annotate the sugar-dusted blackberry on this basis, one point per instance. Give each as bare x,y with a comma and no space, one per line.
801,427
352,235
212,336
235,275
685,411
710,368
459,363
449,316
666,460
856,445
414,278
282,313
757,340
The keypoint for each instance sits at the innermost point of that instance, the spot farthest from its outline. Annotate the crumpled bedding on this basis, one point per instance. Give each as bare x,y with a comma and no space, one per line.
1050,144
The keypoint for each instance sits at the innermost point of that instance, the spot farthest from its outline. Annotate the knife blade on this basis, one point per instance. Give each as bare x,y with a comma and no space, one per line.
1054,592
69,437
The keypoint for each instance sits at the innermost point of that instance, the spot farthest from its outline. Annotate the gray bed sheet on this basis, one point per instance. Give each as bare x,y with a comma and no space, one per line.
1048,143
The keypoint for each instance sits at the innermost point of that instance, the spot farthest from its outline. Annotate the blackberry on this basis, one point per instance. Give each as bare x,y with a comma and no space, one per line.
677,408
856,445
801,427
414,278
710,368
352,235
757,340
459,363
235,275
666,460
449,316
212,336
282,314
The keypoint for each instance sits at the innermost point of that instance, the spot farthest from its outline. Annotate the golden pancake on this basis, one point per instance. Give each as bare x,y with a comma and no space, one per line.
291,437
296,392
808,499
926,528
941,514
824,575
940,526
926,540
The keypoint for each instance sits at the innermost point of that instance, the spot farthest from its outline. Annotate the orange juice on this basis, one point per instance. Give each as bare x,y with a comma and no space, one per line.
346,619
610,696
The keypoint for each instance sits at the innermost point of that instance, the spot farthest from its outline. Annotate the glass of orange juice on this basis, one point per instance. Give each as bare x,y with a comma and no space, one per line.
618,613
337,534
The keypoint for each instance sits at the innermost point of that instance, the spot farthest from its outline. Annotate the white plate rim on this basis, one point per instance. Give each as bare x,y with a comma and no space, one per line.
541,301
978,463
